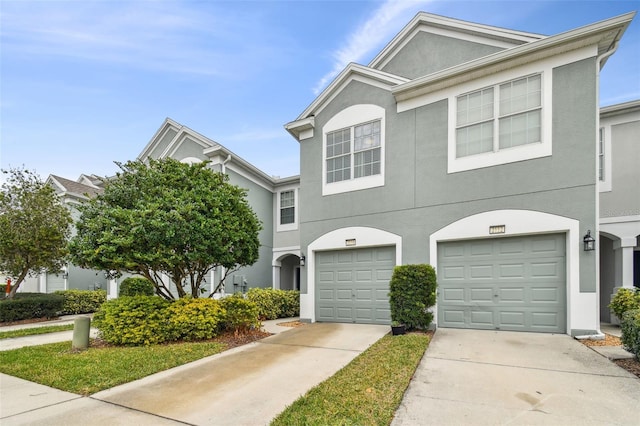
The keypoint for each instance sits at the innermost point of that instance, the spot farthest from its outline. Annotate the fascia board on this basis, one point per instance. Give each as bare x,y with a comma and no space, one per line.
156,137
385,78
623,108
590,34
430,20
259,177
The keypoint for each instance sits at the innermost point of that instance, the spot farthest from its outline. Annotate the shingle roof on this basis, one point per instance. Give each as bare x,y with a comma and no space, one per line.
76,187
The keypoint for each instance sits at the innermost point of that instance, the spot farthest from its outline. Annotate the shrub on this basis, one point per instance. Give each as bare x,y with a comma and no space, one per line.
412,293
242,314
82,301
630,325
274,304
625,300
136,286
133,320
30,305
195,319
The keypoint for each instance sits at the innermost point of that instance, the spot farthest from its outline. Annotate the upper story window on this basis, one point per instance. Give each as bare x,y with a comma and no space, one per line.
353,154
287,209
356,148
506,120
499,117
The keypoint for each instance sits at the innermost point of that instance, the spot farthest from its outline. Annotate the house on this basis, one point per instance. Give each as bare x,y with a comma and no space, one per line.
479,150
619,207
469,147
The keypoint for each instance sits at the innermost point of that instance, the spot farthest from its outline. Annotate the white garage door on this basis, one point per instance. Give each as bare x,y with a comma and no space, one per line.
353,285
516,284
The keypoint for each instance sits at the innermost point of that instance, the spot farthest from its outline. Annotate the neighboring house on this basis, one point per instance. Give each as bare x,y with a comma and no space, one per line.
619,178
472,148
71,194
469,147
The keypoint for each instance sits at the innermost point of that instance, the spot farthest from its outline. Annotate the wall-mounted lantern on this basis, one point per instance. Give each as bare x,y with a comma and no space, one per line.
302,260
589,242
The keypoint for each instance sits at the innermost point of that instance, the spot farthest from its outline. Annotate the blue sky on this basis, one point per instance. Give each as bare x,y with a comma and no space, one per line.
87,83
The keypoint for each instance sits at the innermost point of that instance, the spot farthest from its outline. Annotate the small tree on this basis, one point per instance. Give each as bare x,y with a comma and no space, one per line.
170,218
34,227
412,293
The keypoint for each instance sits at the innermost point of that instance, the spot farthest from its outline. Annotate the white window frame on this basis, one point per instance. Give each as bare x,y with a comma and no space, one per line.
288,226
349,118
504,155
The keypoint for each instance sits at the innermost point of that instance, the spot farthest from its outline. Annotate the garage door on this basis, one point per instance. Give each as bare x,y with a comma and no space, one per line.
516,284
353,285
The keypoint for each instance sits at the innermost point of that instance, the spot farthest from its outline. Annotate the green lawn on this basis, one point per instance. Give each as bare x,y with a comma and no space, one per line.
35,330
98,368
365,392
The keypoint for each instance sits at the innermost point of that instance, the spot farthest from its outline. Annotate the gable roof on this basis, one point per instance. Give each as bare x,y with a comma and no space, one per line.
74,189
181,132
605,34
499,37
352,72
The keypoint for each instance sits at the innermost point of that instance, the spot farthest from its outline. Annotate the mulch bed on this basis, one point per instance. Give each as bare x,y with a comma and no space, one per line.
632,365
290,324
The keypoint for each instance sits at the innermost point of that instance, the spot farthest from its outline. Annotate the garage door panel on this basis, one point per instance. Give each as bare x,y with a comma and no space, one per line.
515,283
360,278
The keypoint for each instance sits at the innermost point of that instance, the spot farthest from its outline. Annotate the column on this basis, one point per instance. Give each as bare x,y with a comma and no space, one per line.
623,267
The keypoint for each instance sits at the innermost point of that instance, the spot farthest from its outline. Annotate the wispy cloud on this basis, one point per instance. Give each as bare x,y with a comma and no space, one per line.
378,29
152,35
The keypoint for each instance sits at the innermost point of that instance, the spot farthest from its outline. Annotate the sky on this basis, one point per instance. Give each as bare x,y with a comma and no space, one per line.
85,84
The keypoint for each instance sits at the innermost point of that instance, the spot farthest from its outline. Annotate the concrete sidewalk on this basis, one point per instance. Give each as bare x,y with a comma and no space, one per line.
248,385
475,377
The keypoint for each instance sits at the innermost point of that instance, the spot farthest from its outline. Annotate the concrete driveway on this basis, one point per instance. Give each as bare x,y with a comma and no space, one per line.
248,385
473,377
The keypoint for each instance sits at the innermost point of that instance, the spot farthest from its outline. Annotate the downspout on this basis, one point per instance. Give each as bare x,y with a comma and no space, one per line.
599,61
223,169
224,164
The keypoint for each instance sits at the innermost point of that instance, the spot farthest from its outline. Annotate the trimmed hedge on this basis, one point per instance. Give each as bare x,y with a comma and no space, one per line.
630,325
242,314
133,320
273,304
82,301
30,305
136,286
195,319
412,293
626,299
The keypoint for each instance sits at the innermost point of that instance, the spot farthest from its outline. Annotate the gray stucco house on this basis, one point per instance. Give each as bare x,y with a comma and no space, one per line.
479,150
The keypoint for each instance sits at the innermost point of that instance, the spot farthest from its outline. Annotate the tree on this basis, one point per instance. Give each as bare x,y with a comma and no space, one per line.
34,227
166,217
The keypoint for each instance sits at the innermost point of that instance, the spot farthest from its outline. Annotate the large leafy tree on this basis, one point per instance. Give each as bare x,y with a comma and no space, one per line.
34,227
170,218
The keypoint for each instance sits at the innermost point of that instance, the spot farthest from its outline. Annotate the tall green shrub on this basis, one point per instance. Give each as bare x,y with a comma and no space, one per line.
412,293
136,286
82,301
630,325
275,303
30,305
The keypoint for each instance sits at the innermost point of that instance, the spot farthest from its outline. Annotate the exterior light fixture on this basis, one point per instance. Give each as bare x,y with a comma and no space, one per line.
589,242
302,260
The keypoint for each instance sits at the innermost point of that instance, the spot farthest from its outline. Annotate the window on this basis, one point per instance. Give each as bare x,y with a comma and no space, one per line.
601,155
365,160
287,207
504,116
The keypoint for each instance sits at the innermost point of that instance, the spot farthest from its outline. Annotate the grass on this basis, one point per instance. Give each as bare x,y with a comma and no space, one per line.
35,330
365,392
98,368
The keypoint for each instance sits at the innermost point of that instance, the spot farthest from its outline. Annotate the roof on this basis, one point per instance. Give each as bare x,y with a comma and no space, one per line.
74,189
622,108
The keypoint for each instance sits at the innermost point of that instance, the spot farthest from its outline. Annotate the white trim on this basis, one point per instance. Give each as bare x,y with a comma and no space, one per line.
582,313
607,122
289,226
620,219
335,240
349,117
